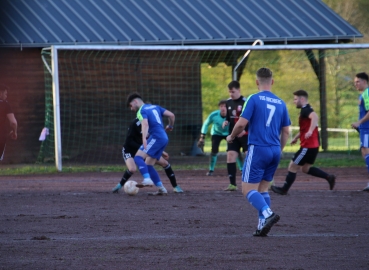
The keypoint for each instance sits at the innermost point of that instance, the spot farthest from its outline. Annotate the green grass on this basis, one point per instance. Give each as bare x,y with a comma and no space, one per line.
341,154
324,160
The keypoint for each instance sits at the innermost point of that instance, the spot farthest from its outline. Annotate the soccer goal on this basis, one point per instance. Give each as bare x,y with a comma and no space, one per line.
86,89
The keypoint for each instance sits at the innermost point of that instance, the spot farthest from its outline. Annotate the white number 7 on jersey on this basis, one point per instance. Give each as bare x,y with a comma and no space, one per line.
271,113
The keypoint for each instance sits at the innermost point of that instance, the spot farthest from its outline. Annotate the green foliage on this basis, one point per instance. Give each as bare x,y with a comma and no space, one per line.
292,71
214,86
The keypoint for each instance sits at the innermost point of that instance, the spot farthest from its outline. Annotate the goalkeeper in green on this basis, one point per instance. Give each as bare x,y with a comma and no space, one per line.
217,132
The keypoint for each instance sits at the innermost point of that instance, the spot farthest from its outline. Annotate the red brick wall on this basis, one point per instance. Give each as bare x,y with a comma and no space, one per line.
22,71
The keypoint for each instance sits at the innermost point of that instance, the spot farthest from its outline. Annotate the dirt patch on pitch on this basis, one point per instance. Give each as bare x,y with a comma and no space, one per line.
73,221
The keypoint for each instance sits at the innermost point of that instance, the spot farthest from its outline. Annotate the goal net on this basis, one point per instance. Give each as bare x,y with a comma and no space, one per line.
86,89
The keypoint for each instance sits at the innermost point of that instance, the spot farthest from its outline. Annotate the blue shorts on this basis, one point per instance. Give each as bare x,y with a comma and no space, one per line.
260,163
364,138
155,147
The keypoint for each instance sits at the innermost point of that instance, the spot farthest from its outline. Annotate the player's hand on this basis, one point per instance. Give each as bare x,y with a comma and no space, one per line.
229,139
13,135
168,128
225,123
200,143
144,143
165,155
308,134
355,125
294,141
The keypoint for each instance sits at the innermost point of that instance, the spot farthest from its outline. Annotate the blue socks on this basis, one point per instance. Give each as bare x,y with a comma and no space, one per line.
154,176
142,167
148,171
367,162
259,201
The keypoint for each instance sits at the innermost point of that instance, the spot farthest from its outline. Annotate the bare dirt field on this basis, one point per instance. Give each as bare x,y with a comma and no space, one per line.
73,221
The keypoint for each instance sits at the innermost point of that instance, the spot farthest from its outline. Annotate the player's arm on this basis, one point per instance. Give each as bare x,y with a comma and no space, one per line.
204,129
284,136
227,119
313,124
294,139
145,131
171,119
238,128
361,121
13,125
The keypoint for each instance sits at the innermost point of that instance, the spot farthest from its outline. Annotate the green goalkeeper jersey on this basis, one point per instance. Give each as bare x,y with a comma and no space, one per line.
216,120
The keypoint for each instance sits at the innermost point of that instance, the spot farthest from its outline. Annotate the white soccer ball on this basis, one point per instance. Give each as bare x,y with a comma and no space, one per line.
130,187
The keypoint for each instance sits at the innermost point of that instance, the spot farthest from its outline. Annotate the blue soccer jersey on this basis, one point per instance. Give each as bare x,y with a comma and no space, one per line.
153,114
363,108
267,115
158,138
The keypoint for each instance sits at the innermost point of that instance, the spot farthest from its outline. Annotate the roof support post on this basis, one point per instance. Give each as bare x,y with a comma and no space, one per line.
319,68
323,100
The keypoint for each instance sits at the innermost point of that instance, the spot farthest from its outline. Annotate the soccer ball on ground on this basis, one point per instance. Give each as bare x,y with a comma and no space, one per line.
130,187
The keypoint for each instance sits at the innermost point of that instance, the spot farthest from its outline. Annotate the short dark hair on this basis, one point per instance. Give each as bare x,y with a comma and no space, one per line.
363,76
264,73
132,97
301,93
234,84
223,101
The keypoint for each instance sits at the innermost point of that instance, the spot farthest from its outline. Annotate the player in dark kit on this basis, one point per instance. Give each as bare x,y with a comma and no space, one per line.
234,108
309,146
7,119
131,145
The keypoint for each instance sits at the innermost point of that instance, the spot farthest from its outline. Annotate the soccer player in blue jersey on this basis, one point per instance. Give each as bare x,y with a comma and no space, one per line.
218,133
152,147
268,120
130,147
361,84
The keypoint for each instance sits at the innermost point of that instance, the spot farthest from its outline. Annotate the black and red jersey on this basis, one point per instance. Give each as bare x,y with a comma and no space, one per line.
234,109
304,123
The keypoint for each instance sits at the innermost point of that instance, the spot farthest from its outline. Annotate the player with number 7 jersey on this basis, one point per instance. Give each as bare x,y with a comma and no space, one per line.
268,114
268,120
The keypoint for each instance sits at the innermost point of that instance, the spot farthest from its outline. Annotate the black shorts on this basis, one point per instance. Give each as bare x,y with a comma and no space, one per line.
238,143
215,142
305,155
128,152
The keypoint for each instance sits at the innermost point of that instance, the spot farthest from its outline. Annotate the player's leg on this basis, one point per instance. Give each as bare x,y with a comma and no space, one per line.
150,161
244,140
314,171
261,162
297,161
131,169
232,154
215,142
155,148
170,173
139,159
364,147
233,151
239,162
